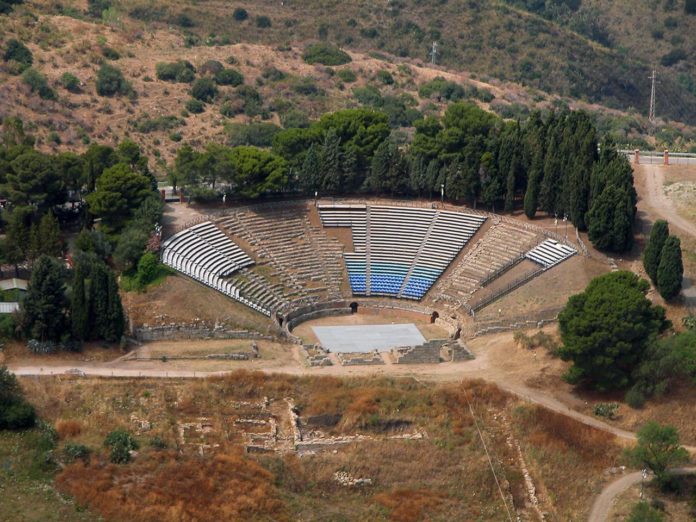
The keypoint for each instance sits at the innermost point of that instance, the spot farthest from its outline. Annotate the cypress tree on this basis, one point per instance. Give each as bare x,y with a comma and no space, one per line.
350,166
550,181
79,308
115,318
44,306
531,196
511,183
99,298
34,248
651,256
432,173
331,162
379,171
49,235
611,220
671,270
311,171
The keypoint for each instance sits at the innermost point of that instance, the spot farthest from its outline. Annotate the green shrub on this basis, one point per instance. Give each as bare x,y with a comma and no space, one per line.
240,14
70,82
211,67
644,512
158,443
181,71
16,51
254,134
385,77
145,124
96,8
368,95
148,268
110,53
204,89
273,74
73,452
326,54
17,415
229,77
673,57
635,398
195,106
605,409
307,86
294,119
110,81
204,195
121,443
38,84
263,22
347,75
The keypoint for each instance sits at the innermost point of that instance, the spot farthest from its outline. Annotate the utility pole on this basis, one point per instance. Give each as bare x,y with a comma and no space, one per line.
433,53
651,116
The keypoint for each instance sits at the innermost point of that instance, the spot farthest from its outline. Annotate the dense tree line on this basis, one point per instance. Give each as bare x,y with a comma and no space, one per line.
108,192
552,164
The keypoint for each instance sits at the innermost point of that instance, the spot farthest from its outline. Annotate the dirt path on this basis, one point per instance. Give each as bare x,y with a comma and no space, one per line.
654,197
604,502
450,372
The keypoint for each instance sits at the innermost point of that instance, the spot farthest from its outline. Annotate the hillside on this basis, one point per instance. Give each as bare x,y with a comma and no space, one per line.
389,69
602,52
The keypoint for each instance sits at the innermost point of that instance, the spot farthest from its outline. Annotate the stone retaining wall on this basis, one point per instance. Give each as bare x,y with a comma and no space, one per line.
428,353
179,332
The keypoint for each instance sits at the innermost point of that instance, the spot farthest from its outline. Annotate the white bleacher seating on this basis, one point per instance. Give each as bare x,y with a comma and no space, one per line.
550,252
204,253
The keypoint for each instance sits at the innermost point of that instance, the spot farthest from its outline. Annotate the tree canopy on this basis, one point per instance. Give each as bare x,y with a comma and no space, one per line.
606,330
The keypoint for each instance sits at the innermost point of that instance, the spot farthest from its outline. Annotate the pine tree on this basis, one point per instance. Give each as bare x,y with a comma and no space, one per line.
49,235
79,306
331,161
311,171
671,270
651,256
115,318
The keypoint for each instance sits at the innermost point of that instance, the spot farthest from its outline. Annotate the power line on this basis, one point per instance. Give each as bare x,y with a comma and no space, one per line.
488,455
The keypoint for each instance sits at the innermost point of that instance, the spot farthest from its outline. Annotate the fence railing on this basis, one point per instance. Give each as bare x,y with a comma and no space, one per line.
506,289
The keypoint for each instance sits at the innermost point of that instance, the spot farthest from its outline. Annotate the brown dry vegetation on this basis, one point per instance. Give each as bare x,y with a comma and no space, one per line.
167,486
68,429
444,476
556,446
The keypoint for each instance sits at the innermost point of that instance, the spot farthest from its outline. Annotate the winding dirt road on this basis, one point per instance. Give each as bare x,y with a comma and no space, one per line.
605,501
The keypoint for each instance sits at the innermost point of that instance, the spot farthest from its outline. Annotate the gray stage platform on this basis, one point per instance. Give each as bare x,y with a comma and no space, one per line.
368,337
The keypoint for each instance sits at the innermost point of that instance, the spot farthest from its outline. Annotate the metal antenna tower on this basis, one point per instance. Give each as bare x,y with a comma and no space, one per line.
651,116
433,53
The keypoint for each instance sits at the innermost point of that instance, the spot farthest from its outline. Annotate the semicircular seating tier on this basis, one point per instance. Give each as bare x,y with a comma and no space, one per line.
399,252
275,257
